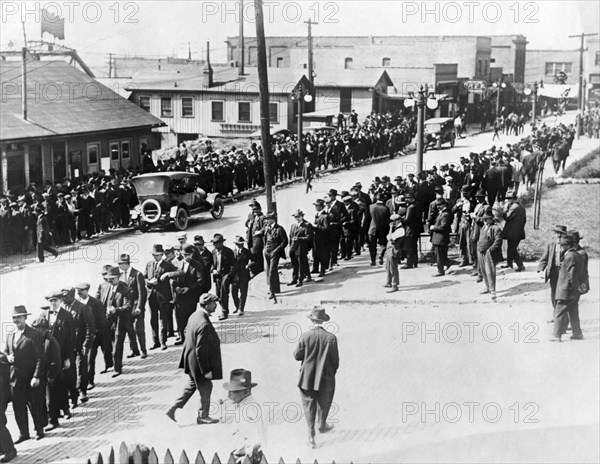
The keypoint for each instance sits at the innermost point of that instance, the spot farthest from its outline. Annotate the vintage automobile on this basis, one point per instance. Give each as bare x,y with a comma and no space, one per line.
172,196
439,131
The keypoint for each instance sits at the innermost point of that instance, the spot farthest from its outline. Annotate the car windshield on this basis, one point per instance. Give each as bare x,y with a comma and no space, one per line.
155,185
433,127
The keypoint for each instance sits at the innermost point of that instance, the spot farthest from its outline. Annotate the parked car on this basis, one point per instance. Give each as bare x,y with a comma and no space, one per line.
166,197
439,131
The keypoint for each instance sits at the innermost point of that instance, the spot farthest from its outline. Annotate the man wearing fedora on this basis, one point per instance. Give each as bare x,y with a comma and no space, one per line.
25,353
549,263
514,230
337,216
115,297
393,253
489,248
301,241
440,236
476,225
568,291
585,280
159,295
379,228
275,242
317,351
241,275
85,330
254,225
222,272
321,239
350,227
413,224
102,336
44,239
201,359
250,429
462,211
62,328
136,284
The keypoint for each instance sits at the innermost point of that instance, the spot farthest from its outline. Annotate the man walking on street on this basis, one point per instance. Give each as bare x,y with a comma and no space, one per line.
321,229
201,359
301,240
241,275
549,263
136,284
440,238
489,248
514,231
379,228
275,242
317,350
222,273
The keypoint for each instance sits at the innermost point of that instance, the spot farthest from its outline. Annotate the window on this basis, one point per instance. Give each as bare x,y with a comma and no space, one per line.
125,149
485,67
187,107
553,68
280,62
244,112
479,66
114,151
348,63
93,153
386,62
597,61
145,103
274,113
345,100
165,107
217,111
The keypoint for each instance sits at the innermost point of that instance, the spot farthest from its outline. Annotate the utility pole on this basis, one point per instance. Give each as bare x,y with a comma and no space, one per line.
241,41
24,75
265,120
110,61
310,51
580,93
189,52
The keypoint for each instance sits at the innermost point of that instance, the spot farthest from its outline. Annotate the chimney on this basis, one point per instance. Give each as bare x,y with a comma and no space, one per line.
207,70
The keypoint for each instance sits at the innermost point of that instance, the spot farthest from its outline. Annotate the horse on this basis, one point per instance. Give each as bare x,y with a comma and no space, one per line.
531,164
560,153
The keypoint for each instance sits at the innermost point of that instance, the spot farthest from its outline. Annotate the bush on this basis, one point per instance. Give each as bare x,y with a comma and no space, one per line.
587,167
550,183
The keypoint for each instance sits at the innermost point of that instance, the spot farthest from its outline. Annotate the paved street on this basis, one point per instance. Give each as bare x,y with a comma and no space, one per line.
449,367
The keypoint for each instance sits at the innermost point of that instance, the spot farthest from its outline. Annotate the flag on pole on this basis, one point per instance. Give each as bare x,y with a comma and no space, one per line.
53,24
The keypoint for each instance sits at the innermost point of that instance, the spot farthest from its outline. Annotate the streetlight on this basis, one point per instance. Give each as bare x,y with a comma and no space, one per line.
301,95
498,86
420,102
533,91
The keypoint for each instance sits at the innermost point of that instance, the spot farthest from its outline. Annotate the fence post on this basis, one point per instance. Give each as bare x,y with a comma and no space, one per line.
183,459
111,456
153,457
169,457
199,458
216,459
123,454
137,456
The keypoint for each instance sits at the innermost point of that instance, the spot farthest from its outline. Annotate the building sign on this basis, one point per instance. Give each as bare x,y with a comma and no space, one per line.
76,156
475,86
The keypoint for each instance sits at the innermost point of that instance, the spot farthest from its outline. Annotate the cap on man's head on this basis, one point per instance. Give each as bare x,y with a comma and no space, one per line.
169,249
68,291
82,286
560,229
181,236
238,240
207,298
176,246
54,295
271,215
298,213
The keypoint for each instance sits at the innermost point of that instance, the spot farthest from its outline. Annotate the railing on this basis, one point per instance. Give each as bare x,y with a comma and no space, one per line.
142,455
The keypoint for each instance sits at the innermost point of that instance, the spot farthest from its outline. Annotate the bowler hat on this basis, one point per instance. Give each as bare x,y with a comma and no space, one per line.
358,184
20,310
318,314
157,249
207,298
238,240
218,238
332,192
82,286
188,249
124,259
239,380
560,229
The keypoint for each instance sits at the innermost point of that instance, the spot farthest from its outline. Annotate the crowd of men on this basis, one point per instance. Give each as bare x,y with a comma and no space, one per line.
591,121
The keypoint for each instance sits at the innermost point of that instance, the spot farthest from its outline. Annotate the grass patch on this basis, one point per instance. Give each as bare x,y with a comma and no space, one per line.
587,167
575,205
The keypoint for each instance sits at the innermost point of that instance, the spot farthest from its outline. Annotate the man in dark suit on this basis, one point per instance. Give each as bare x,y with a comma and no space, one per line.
379,228
275,241
440,238
85,331
102,338
25,353
584,257
413,223
114,295
350,227
489,249
187,284
137,289
63,329
301,240
549,263
254,225
321,229
200,358
44,239
206,258
222,272
317,350
514,230
492,183
159,295
7,446
568,291
337,216
241,275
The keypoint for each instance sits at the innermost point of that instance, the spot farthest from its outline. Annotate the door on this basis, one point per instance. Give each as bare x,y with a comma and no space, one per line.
59,160
114,151
15,168
36,175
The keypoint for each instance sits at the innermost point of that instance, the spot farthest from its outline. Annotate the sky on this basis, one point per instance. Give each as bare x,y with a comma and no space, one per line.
164,28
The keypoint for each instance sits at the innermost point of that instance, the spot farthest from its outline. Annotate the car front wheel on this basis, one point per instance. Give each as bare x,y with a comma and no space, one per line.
218,209
181,218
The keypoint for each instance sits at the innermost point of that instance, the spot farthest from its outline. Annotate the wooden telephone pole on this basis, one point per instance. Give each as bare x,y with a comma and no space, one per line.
310,51
265,120
580,93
